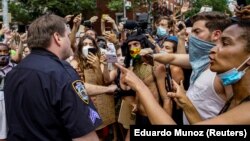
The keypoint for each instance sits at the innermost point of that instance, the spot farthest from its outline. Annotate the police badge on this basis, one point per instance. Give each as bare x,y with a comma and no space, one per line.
80,90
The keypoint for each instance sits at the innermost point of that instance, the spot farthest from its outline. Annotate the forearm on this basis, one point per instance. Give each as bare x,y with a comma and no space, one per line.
164,58
97,89
19,54
181,60
129,99
106,74
102,26
157,48
115,26
72,36
168,106
181,46
167,102
191,113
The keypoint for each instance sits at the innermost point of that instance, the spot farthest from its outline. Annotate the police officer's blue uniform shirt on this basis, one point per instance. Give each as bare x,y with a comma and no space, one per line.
47,101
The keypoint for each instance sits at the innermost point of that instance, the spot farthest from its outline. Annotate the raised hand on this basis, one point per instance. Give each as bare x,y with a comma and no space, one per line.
109,19
93,60
68,17
78,19
180,95
185,7
93,19
103,58
129,78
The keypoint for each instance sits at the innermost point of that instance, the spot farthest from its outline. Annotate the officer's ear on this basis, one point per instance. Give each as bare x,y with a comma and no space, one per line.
57,38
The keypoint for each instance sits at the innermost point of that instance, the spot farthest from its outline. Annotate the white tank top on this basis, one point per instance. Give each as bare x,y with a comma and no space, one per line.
203,96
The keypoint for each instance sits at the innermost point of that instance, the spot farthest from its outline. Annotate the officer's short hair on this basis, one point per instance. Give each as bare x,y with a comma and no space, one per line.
41,30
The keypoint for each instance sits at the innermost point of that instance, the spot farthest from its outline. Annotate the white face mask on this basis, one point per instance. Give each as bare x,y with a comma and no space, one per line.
85,50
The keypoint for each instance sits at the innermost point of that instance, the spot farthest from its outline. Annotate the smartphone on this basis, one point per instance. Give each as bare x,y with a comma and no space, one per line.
180,27
168,79
92,50
111,57
108,30
169,83
148,58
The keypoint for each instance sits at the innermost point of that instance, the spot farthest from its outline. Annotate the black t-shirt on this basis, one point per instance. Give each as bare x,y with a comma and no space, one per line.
47,101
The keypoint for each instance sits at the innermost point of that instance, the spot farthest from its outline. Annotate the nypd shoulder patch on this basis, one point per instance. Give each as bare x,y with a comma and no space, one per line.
80,90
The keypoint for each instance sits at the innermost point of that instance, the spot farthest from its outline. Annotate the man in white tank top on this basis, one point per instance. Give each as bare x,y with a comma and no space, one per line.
204,85
204,97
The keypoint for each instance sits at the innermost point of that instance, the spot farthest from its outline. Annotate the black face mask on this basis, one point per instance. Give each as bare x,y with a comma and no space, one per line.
4,60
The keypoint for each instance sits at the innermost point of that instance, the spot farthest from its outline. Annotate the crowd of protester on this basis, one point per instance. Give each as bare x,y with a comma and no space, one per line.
61,80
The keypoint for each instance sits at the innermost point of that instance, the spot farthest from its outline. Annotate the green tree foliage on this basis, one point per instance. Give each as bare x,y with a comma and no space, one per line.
27,10
116,5
218,5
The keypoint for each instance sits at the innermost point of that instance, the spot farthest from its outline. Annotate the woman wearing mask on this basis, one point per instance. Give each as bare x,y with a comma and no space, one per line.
232,71
87,63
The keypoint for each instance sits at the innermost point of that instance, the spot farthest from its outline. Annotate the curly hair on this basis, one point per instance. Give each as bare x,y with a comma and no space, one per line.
243,16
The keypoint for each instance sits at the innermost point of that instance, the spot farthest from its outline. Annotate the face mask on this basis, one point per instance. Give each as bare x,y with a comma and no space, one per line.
134,53
232,76
161,31
199,56
85,50
163,51
4,60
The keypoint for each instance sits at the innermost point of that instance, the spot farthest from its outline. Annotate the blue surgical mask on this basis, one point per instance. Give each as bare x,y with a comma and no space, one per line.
233,76
161,31
199,56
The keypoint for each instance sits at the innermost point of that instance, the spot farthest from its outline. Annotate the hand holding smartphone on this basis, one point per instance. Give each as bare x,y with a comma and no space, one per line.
92,50
111,58
180,26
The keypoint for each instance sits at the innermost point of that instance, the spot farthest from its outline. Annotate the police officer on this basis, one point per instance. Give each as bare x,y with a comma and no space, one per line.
5,66
45,98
